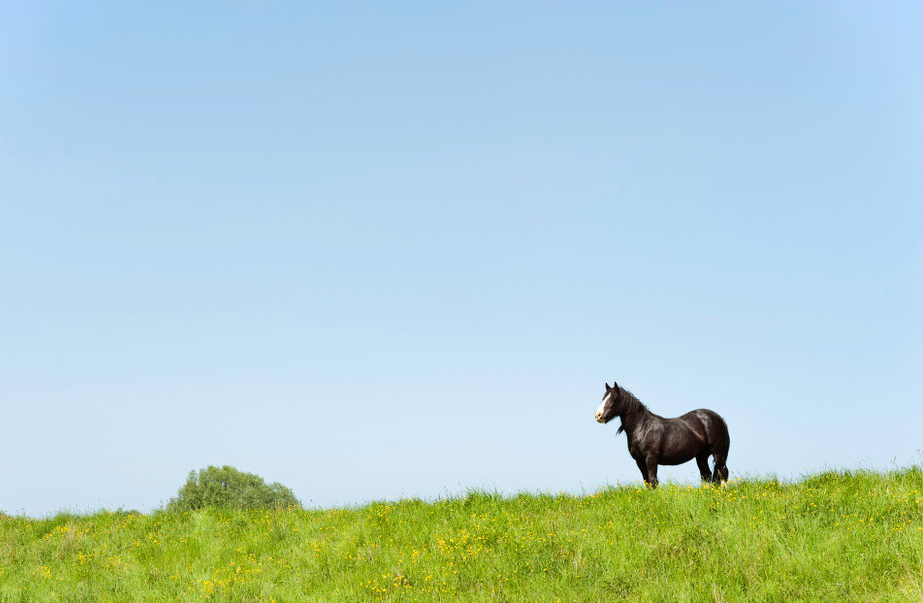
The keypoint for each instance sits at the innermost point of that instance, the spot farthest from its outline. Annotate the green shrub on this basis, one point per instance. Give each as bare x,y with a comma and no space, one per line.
228,488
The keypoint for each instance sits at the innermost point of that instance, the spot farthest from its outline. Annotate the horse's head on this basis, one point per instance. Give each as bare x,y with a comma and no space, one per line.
609,407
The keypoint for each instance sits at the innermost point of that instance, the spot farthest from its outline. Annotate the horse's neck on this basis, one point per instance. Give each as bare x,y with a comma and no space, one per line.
632,421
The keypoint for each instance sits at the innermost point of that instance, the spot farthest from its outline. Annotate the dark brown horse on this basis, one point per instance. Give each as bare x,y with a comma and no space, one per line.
653,440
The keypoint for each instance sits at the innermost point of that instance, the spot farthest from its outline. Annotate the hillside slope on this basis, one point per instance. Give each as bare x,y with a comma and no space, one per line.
834,536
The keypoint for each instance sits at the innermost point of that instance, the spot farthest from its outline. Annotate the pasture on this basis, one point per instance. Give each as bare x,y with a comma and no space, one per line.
833,536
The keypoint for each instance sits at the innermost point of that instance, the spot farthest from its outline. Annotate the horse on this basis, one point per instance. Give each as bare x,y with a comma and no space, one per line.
654,440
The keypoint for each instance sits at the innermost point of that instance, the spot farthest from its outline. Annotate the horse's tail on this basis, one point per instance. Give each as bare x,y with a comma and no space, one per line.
722,439
720,445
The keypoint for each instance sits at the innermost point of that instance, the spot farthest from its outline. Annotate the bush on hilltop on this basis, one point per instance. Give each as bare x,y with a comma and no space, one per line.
227,488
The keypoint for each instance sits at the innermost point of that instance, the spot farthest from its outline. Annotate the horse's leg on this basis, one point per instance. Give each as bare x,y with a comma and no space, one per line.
721,468
652,472
704,471
643,467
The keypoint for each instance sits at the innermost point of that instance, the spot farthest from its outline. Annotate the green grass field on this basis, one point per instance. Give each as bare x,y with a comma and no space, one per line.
835,536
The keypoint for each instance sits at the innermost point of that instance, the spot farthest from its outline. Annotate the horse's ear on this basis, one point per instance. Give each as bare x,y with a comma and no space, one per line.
615,385
607,386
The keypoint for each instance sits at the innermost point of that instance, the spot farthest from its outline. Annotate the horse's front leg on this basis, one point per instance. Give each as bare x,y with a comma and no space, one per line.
651,477
642,465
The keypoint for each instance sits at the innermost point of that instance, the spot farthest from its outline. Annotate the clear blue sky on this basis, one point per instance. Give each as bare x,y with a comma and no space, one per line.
374,252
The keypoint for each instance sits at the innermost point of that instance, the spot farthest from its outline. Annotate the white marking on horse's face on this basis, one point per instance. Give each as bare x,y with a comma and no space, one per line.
602,406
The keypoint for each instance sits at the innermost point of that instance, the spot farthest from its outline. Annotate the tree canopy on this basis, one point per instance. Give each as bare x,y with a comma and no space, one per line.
228,488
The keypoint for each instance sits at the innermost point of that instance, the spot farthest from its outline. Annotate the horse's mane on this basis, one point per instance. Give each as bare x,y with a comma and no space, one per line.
630,404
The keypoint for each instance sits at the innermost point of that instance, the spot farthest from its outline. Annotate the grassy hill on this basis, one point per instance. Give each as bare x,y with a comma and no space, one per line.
834,536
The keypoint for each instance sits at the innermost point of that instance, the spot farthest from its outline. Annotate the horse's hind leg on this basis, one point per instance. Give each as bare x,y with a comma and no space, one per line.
721,468
704,471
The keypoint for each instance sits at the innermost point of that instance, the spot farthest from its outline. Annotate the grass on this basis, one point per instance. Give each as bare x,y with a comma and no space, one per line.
835,536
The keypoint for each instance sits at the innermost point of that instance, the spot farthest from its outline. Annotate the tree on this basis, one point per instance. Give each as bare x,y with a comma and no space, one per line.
228,488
